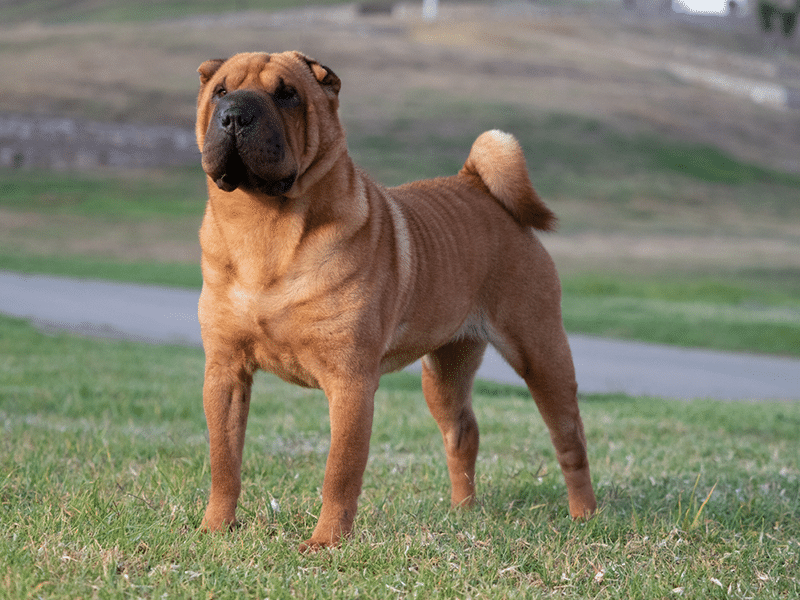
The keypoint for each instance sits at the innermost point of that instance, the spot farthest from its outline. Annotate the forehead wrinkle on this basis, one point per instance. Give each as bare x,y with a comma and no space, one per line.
235,79
285,67
279,70
269,78
246,69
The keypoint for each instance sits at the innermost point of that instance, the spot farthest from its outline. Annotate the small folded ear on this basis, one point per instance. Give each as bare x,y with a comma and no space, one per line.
208,68
326,78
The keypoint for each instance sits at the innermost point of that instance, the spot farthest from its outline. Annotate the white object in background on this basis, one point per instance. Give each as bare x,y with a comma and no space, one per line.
430,9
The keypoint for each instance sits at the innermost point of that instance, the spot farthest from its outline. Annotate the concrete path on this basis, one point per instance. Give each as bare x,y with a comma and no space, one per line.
169,315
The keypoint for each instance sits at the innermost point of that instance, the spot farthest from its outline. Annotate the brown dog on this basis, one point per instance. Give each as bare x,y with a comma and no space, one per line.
316,273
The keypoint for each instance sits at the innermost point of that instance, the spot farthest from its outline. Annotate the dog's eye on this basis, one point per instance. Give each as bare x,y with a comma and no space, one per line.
219,91
286,96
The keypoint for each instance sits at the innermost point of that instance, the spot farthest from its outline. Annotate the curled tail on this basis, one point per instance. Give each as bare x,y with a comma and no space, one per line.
496,159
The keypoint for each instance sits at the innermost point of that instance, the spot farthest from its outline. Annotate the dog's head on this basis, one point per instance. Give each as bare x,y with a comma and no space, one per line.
263,119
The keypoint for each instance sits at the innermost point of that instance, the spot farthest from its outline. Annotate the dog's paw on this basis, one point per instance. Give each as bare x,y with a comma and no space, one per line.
213,522
583,509
312,546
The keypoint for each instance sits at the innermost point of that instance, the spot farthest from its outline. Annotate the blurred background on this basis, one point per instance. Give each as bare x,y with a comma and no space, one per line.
665,135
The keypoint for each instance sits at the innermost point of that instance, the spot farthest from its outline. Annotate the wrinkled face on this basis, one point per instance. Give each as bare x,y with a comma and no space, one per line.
258,119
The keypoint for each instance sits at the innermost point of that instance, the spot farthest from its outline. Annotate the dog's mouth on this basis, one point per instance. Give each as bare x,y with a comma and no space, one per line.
235,174
274,188
224,164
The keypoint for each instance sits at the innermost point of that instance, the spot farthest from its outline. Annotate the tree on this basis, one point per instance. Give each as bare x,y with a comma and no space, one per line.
784,11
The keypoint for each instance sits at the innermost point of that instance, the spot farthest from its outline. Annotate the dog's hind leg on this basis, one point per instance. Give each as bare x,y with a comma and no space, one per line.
539,352
447,375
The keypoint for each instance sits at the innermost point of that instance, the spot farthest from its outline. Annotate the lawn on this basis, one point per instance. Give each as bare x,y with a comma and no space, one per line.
105,473
71,11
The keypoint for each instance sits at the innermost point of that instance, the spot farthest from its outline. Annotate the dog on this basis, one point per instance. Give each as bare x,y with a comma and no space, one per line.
316,273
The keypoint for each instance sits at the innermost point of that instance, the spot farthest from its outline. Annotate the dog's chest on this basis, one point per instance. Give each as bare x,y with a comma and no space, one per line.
267,321
286,332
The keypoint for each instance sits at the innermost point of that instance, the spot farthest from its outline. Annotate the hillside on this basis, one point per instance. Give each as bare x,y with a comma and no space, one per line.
664,76
662,143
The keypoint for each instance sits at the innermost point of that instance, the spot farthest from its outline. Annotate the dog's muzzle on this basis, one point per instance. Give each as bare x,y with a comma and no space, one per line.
245,145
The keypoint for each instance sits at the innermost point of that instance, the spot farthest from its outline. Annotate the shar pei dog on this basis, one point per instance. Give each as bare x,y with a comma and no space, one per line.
316,273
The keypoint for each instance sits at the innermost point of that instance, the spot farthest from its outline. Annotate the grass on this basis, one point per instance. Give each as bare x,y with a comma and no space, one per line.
137,194
57,11
439,130
138,226
681,313
646,184
91,267
105,475
143,228
735,314
598,177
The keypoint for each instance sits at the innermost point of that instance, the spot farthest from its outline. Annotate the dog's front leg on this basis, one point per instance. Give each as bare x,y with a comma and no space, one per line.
226,401
351,409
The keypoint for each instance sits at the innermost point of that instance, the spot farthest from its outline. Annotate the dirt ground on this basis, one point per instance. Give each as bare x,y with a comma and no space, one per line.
640,72
684,81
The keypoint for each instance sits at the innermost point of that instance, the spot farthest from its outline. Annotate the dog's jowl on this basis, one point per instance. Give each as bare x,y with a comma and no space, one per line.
316,273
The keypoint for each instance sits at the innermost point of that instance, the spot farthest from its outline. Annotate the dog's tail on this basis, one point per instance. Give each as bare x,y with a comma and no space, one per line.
496,159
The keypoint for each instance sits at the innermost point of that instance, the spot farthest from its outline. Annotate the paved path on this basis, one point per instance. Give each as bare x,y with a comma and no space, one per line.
158,314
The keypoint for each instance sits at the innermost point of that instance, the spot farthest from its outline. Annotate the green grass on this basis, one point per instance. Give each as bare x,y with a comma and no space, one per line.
695,314
112,195
438,131
58,11
747,309
104,475
97,203
598,179
740,314
91,267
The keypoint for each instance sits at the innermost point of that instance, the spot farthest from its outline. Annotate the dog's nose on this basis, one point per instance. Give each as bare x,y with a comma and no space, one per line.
233,117
238,110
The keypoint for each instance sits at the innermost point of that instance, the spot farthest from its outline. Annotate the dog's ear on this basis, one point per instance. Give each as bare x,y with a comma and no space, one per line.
326,77
208,68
